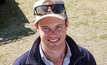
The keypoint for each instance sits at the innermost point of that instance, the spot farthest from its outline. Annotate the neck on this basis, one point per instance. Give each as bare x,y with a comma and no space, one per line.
55,56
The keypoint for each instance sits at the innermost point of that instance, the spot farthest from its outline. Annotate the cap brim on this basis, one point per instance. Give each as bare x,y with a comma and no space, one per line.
38,18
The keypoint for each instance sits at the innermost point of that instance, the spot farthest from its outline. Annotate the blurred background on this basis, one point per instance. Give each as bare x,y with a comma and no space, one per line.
87,26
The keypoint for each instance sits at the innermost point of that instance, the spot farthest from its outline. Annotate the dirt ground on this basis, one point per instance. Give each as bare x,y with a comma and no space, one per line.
87,26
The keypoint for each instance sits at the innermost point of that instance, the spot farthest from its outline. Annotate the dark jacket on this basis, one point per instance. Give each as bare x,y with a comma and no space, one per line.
80,56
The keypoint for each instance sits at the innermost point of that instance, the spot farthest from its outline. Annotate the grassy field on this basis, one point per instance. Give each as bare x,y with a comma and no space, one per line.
87,26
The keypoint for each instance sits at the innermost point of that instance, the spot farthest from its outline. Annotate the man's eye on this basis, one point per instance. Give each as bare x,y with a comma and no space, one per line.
59,28
45,29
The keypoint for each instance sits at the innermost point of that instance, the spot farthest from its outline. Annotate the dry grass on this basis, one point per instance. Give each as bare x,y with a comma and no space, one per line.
88,21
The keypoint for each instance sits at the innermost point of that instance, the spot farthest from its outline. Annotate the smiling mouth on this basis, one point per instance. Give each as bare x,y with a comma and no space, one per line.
54,40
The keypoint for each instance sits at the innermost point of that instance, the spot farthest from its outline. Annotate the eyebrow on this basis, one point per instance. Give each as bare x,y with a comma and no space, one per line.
48,26
60,25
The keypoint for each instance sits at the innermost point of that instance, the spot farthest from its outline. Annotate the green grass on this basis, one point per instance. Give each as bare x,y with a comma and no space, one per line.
87,26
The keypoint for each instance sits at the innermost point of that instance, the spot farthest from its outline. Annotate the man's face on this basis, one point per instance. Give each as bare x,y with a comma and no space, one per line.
52,32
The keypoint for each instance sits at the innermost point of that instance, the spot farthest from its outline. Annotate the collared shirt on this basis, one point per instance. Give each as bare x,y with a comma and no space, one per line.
66,59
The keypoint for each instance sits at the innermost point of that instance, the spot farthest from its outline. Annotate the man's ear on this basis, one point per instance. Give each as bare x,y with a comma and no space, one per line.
36,26
66,23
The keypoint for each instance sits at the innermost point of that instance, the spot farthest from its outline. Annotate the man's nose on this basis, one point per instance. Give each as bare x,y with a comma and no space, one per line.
49,10
53,34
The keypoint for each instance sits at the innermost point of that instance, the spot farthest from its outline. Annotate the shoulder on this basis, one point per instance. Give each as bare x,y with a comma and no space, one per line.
22,59
84,51
87,55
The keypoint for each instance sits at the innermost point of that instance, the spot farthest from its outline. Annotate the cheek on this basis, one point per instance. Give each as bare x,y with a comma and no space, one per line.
64,30
63,33
43,35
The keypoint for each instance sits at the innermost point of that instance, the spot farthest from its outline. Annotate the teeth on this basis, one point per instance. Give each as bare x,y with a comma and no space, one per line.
54,40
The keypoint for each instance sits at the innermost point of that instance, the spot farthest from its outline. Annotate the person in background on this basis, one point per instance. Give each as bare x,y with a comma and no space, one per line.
54,46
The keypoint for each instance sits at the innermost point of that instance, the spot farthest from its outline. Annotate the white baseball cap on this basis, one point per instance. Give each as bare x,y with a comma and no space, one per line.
41,2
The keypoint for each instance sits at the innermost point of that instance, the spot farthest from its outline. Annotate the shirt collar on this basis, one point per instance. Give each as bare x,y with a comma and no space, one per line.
45,60
69,54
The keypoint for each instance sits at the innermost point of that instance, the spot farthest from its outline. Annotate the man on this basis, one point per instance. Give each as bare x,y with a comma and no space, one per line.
53,46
